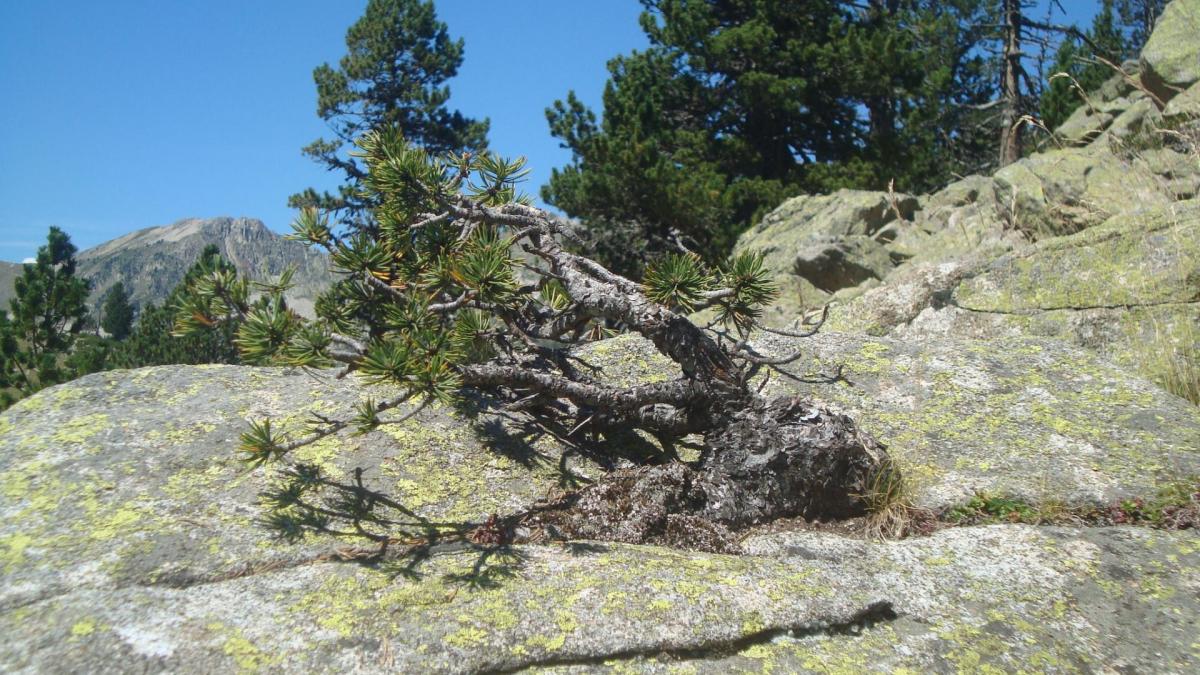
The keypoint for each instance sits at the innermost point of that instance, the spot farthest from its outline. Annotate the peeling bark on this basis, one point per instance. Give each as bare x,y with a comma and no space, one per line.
773,460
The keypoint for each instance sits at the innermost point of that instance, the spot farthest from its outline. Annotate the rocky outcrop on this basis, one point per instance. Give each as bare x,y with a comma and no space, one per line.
152,262
824,243
1128,290
1171,58
1092,241
132,538
1034,418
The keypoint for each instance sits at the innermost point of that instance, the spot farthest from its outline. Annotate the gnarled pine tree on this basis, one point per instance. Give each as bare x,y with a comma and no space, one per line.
442,299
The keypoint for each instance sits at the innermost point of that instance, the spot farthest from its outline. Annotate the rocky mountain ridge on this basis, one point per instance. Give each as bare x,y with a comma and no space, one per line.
152,261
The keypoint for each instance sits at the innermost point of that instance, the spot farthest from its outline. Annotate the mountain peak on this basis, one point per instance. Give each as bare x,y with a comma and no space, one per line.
152,261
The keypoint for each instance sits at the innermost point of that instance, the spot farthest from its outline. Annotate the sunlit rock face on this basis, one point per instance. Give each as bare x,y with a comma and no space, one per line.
132,536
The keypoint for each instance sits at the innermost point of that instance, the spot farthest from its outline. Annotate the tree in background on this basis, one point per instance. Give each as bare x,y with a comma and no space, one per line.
739,104
116,312
10,369
47,313
434,304
399,57
1080,65
151,342
1138,18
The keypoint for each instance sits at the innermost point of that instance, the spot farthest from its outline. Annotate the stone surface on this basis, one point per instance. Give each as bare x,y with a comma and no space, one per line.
134,475
1099,109
806,221
131,537
1128,290
1064,191
1003,597
1186,104
841,213
1171,57
1028,417
909,291
842,263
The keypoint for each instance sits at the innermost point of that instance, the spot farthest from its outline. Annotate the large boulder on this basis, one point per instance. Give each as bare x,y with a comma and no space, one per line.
1099,109
1185,105
1001,597
1171,57
1032,418
810,242
132,542
842,263
1128,290
1063,191
131,475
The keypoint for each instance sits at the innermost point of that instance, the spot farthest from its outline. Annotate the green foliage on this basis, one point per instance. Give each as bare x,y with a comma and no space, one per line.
117,313
737,105
151,342
261,444
218,298
1137,19
46,315
90,355
398,58
992,508
678,281
739,291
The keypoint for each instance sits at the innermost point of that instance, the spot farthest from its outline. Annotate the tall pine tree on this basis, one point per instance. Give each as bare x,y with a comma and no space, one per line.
116,313
399,57
738,104
47,313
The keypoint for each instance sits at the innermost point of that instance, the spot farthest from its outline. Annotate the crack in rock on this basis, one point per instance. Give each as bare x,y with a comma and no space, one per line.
876,613
1072,308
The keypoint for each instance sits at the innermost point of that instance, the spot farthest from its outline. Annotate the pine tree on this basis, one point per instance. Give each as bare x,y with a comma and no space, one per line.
47,313
737,105
433,303
704,130
151,342
117,313
1138,18
398,58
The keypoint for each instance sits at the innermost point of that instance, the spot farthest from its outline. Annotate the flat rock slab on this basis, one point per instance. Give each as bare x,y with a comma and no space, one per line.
1024,417
1002,597
1148,257
1128,290
134,475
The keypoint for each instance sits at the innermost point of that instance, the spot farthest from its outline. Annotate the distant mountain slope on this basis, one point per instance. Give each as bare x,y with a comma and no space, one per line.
153,261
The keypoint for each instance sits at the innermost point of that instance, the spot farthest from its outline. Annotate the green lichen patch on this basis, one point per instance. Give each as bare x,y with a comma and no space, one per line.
1144,258
116,483
1030,418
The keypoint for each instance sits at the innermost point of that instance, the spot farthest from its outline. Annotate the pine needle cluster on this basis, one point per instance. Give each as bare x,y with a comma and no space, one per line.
458,282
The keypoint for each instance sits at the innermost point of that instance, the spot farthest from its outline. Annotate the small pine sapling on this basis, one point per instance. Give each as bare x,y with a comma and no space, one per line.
459,283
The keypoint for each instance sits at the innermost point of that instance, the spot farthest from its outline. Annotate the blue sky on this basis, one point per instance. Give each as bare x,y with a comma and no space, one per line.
125,114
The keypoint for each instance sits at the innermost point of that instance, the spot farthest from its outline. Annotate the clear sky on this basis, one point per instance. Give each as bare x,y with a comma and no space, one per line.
125,114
